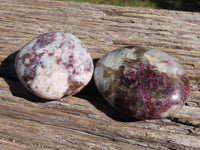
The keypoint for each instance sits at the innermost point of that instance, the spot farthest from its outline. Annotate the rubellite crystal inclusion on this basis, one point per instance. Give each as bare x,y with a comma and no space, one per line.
54,64
142,82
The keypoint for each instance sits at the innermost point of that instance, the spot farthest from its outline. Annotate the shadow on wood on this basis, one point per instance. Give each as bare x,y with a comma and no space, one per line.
8,72
90,92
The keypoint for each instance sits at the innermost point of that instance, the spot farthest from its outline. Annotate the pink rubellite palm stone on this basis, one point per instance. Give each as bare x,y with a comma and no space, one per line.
53,65
142,82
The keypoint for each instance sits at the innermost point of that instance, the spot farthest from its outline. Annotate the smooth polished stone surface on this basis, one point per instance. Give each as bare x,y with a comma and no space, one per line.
142,82
54,64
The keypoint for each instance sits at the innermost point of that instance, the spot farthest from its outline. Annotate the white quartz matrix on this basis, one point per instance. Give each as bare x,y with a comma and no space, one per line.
54,64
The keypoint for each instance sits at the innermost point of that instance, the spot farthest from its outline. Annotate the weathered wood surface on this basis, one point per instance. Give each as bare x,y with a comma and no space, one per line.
86,121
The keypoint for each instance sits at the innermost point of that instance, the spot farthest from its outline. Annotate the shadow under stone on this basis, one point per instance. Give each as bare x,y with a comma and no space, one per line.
8,72
90,92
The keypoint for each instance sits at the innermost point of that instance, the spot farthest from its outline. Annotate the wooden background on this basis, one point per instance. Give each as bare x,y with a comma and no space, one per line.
86,120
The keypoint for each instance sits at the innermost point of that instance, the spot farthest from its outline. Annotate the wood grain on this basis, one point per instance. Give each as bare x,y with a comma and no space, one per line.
86,120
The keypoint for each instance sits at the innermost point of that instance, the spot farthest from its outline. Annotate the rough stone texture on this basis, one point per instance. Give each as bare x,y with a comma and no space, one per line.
142,82
86,120
54,65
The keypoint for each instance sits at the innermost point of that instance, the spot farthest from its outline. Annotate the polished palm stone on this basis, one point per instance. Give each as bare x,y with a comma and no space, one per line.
142,82
53,65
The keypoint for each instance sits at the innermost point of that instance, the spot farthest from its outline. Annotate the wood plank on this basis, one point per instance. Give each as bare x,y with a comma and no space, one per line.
86,120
